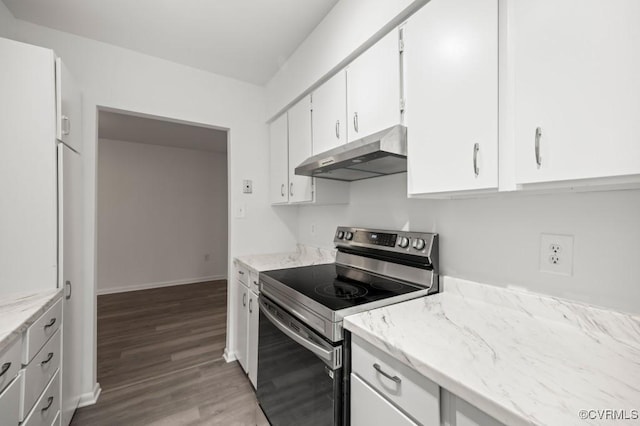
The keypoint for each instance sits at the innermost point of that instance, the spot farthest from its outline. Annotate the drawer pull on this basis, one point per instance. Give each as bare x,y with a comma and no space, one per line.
53,321
5,368
395,379
50,399
49,358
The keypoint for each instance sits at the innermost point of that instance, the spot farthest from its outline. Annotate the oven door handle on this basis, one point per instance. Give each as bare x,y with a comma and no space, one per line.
319,351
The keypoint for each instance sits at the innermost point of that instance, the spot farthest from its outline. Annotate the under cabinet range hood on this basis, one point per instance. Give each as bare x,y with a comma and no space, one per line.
380,154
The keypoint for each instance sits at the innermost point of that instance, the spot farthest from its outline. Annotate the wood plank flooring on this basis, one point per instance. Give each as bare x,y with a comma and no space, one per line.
160,361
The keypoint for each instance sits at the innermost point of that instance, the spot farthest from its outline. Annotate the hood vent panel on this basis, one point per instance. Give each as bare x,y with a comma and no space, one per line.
380,154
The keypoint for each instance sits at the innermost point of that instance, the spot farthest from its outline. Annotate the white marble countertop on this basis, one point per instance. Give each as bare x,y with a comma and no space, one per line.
303,256
524,359
19,310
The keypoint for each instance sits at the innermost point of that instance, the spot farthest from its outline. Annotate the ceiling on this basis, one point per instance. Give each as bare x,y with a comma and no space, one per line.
129,128
244,39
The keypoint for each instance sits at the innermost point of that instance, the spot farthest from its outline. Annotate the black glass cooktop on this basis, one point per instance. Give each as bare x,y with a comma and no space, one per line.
338,287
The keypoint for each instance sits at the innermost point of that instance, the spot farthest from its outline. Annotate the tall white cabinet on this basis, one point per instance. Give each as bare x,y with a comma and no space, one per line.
41,188
451,57
577,109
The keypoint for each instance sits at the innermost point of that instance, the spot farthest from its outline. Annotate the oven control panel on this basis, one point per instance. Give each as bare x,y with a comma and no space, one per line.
415,243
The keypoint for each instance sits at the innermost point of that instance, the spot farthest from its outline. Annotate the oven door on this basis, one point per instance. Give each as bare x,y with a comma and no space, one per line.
299,373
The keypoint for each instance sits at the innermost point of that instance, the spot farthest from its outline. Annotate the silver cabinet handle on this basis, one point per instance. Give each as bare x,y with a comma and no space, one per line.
395,379
538,136
355,121
241,272
291,189
66,125
338,129
244,299
250,308
68,284
50,401
49,358
476,148
53,321
282,189
5,368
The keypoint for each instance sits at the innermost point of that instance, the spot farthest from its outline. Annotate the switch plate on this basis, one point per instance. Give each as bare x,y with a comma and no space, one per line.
556,254
247,186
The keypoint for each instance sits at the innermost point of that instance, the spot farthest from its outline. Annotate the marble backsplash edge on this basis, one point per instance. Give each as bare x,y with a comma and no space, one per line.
591,319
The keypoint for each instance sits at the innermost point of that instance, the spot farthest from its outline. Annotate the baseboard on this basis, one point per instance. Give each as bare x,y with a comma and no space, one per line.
229,356
90,398
146,286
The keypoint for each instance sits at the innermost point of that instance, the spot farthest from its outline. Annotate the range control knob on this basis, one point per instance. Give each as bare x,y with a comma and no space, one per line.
340,235
348,236
418,244
403,242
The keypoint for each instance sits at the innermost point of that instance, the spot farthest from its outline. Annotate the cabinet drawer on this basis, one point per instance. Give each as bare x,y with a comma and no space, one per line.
40,331
406,388
48,405
10,363
9,404
368,407
242,274
254,284
39,372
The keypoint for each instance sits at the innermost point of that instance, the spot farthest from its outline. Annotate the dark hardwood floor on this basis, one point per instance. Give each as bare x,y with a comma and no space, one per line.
160,361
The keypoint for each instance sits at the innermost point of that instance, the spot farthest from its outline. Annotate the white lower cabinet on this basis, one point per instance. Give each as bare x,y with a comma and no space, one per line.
368,407
242,323
252,336
385,391
247,321
9,403
398,385
458,412
47,408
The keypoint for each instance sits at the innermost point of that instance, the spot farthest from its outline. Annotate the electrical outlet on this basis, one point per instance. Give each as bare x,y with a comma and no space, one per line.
247,186
556,254
313,229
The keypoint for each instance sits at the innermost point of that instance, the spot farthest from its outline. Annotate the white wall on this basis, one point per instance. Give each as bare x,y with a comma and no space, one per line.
496,239
160,211
125,80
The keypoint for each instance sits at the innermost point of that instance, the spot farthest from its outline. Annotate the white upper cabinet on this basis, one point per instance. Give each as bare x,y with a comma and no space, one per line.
300,187
451,68
278,156
68,108
577,89
330,114
373,88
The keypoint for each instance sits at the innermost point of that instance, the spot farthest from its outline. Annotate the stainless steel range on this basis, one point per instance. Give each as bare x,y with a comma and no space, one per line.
301,379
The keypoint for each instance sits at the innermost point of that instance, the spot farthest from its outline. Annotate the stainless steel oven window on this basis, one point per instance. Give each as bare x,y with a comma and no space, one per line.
299,372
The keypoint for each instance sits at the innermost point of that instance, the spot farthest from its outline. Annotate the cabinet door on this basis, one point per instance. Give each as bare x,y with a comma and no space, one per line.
451,57
242,311
28,216
300,187
329,114
368,407
69,108
279,166
252,351
70,278
373,88
576,68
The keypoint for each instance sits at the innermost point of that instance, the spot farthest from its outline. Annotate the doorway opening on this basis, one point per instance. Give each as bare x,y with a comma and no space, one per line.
162,224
